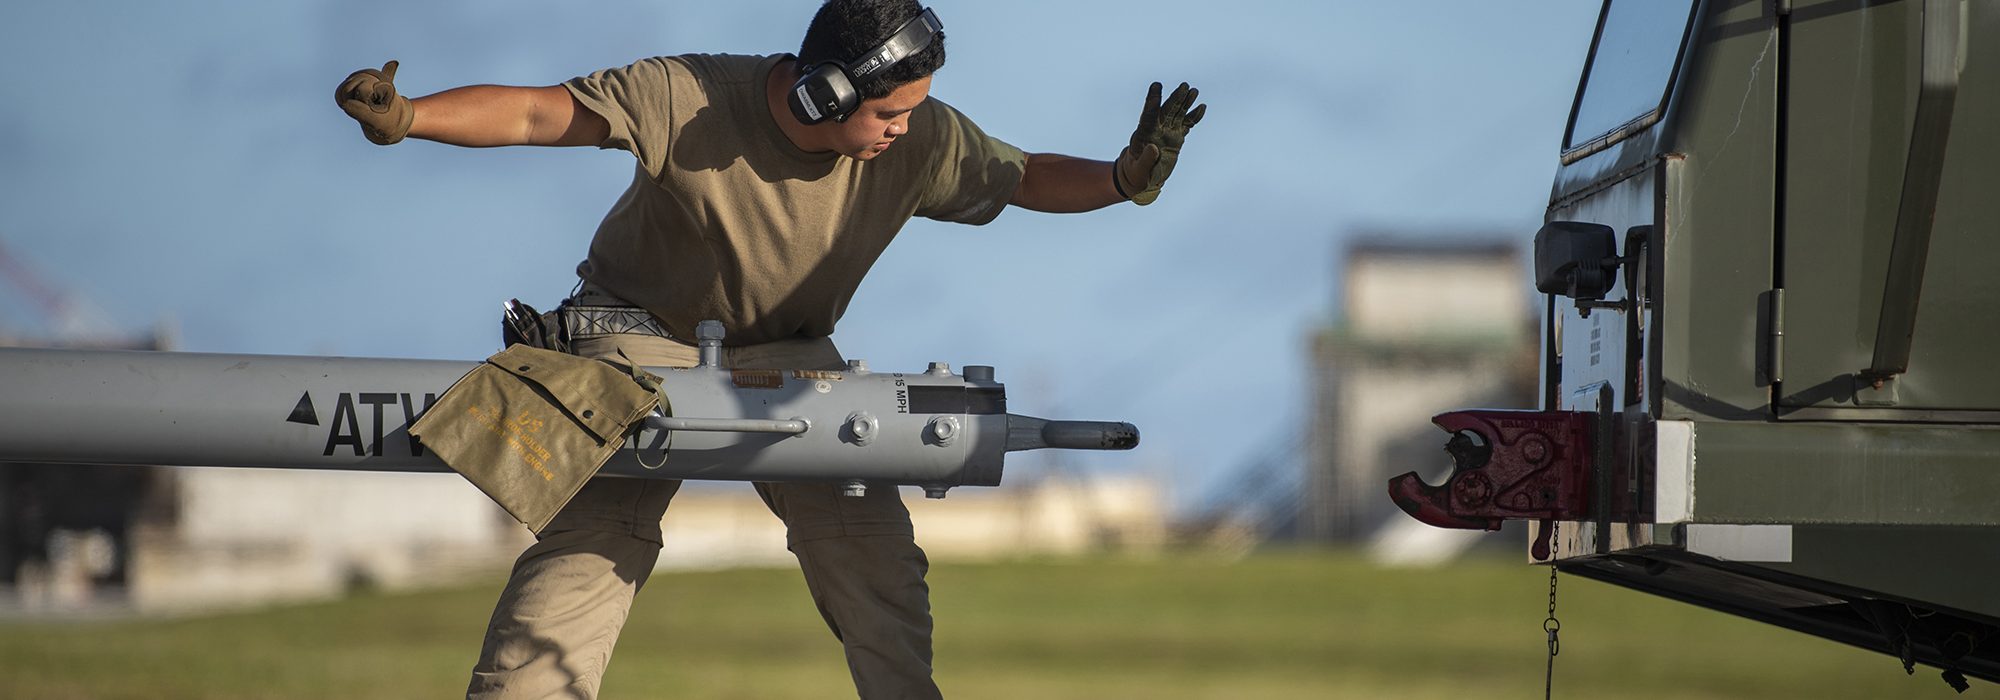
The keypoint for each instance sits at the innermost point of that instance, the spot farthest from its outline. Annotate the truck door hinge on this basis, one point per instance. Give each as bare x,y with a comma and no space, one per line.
1776,362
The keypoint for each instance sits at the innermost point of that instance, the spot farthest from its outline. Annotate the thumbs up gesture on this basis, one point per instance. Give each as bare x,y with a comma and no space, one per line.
369,96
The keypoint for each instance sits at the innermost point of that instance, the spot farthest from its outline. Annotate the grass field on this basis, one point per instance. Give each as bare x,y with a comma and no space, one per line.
1285,625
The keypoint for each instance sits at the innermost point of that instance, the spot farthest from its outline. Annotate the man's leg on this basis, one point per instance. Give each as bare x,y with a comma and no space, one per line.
559,616
866,575
861,562
553,629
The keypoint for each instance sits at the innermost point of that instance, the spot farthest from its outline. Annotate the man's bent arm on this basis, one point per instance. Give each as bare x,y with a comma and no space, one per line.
1061,184
494,115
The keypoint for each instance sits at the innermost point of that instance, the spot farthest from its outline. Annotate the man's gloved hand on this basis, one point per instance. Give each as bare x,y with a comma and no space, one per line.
370,97
1143,166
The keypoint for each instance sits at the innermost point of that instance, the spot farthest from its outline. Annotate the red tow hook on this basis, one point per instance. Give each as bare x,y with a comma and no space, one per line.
1506,465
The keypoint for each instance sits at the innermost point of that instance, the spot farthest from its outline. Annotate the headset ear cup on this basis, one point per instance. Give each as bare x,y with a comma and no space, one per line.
841,94
823,94
800,99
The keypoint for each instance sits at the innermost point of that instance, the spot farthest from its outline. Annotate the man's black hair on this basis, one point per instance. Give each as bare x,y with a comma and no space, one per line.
843,29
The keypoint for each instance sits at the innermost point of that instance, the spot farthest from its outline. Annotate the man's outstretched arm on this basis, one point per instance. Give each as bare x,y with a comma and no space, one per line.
1060,184
476,115
1063,184
495,115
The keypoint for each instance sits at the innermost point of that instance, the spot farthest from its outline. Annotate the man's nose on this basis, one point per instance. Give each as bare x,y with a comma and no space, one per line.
899,127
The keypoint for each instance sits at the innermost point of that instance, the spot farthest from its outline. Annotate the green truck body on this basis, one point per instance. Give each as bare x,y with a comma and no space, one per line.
1798,189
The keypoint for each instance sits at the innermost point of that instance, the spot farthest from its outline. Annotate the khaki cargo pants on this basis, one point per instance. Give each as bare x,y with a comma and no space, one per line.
557,619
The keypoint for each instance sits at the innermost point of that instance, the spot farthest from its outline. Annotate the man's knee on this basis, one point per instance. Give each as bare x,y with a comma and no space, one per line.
631,507
815,511
553,628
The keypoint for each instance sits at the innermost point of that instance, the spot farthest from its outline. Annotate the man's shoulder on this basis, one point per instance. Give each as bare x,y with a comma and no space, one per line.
724,67
946,111
937,113
940,120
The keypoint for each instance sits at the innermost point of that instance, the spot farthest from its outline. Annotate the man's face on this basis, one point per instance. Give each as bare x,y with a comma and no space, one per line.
878,122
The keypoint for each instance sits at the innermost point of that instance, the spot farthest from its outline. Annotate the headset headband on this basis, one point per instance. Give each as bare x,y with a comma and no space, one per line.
825,90
912,37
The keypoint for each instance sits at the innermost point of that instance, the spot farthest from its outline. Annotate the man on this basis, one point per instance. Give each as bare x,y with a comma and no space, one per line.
757,204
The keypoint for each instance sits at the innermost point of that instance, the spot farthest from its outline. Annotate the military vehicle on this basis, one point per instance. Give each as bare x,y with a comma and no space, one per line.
1768,384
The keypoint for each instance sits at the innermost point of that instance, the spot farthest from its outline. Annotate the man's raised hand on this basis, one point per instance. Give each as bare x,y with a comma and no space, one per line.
1145,164
369,96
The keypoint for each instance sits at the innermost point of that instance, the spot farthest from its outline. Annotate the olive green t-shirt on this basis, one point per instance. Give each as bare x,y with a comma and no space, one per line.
726,219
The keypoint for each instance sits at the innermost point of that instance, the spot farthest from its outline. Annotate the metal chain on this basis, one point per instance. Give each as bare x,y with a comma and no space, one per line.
1551,625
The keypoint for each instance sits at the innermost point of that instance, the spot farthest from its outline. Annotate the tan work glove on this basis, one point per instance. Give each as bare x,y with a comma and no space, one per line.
1143,166
370,97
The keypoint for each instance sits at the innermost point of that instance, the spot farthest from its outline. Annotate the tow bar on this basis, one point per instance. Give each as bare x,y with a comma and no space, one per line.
1506,465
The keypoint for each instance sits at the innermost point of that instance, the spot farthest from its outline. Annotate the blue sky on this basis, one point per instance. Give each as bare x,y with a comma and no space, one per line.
184,162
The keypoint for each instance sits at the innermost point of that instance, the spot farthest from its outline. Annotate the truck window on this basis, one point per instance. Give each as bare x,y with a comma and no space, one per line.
1631,66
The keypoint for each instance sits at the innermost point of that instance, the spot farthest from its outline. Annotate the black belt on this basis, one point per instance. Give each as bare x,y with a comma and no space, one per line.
582,322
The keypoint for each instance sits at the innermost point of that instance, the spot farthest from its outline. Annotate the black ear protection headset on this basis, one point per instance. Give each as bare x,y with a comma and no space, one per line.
825,91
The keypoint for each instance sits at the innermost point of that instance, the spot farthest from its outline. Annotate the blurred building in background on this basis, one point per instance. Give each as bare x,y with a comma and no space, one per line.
82,538
1421,328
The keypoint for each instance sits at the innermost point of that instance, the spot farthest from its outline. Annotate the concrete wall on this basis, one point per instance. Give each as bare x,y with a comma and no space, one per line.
719,525
242,537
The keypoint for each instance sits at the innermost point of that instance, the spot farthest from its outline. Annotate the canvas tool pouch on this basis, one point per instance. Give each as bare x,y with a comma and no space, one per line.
528,426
